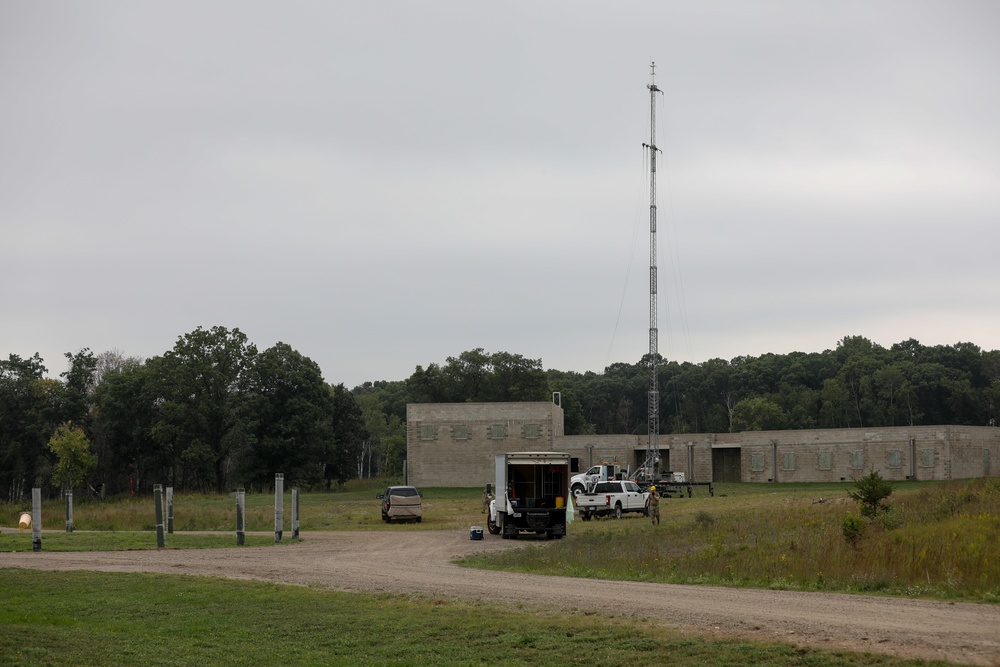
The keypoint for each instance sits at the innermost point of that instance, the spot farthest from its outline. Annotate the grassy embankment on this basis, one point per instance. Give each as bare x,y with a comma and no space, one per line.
90,618
939,540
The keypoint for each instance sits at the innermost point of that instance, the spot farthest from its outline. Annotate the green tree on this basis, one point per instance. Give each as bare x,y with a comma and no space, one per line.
349,435
870,493
30,409
127,416
203,380
74,460
79,386
758,414
287,415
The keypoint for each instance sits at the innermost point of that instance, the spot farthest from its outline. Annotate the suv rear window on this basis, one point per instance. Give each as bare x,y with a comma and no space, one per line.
401,491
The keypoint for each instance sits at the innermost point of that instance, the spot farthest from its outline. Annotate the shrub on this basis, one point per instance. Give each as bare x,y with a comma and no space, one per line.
869,492
852,527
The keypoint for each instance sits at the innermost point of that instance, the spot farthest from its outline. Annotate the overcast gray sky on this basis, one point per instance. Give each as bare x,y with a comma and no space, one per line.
386,184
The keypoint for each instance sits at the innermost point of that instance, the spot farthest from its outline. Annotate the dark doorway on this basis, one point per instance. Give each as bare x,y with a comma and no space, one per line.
726,464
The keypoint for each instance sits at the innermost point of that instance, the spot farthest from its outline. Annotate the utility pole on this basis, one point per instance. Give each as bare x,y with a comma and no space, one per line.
652,443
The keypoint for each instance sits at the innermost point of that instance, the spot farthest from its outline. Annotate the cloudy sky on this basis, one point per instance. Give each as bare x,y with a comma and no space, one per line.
386,184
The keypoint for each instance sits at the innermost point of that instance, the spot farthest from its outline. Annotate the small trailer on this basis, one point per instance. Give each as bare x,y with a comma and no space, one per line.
532,489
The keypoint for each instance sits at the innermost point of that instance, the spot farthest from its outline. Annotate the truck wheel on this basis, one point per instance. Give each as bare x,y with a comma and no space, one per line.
586,516
419,519
577,490
492,526
618,510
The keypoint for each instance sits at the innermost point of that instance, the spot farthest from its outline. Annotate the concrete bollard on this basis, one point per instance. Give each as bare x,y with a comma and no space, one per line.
241,528
69,510
170,509
158,502
279,505
36,519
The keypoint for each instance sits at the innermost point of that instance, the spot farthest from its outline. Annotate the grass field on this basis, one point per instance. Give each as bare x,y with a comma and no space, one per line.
90,618
939,540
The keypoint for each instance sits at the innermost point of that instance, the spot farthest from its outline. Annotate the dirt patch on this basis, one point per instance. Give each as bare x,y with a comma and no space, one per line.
420,562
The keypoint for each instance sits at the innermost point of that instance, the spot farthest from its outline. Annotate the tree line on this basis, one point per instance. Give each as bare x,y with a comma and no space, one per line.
214,413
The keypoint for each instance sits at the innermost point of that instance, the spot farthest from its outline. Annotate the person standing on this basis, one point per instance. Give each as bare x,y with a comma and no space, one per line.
487,496
653,505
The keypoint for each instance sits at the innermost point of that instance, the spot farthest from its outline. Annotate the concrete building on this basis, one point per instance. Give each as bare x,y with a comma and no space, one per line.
454,444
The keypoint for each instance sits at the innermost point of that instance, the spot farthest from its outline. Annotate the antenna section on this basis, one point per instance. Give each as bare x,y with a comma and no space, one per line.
651,465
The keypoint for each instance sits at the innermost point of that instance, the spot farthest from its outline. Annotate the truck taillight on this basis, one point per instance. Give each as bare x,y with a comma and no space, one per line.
607,500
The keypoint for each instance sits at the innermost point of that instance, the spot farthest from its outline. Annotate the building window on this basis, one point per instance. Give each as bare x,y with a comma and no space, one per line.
757,463
532,431
498,431
460,432
858,460
428,432
788,460
825,460
894,458
927,458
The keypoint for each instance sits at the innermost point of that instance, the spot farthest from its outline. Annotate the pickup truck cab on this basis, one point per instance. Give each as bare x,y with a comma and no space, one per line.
585,481
615,498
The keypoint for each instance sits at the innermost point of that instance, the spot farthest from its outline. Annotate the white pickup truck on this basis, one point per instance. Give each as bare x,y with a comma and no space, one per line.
617,498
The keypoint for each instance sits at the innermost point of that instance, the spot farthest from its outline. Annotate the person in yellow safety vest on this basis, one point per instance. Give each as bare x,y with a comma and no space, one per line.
653,505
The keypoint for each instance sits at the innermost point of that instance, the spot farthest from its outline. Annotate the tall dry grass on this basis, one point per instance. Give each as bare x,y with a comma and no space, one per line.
937,540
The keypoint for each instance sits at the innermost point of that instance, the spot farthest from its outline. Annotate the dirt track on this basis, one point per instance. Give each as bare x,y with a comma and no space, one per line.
418,562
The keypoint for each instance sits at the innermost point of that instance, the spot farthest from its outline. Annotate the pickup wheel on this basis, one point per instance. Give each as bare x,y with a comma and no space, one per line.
618,510
586,516
492,526
577,489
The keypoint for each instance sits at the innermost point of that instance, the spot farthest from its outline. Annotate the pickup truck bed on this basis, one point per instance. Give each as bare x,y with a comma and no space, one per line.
612,498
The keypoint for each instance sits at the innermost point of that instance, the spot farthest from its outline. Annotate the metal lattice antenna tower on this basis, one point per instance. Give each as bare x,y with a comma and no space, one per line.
652,443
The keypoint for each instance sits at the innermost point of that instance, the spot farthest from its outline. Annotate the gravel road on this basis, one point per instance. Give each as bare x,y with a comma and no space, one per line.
419,562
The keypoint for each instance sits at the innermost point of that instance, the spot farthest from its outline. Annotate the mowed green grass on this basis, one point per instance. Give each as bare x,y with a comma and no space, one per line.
90,618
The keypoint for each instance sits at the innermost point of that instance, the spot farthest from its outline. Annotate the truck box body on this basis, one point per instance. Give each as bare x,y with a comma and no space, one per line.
532,489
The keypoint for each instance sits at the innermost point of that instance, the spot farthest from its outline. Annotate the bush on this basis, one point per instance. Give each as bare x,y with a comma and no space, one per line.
869,492
853,527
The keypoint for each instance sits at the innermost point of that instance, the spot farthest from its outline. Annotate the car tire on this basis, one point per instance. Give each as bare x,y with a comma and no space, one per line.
577,490
419,519
618,510
492,526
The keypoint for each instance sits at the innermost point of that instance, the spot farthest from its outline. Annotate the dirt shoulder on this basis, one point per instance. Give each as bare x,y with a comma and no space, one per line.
420,562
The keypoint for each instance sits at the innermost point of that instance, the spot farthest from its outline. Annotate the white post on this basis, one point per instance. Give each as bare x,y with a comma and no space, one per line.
295,514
